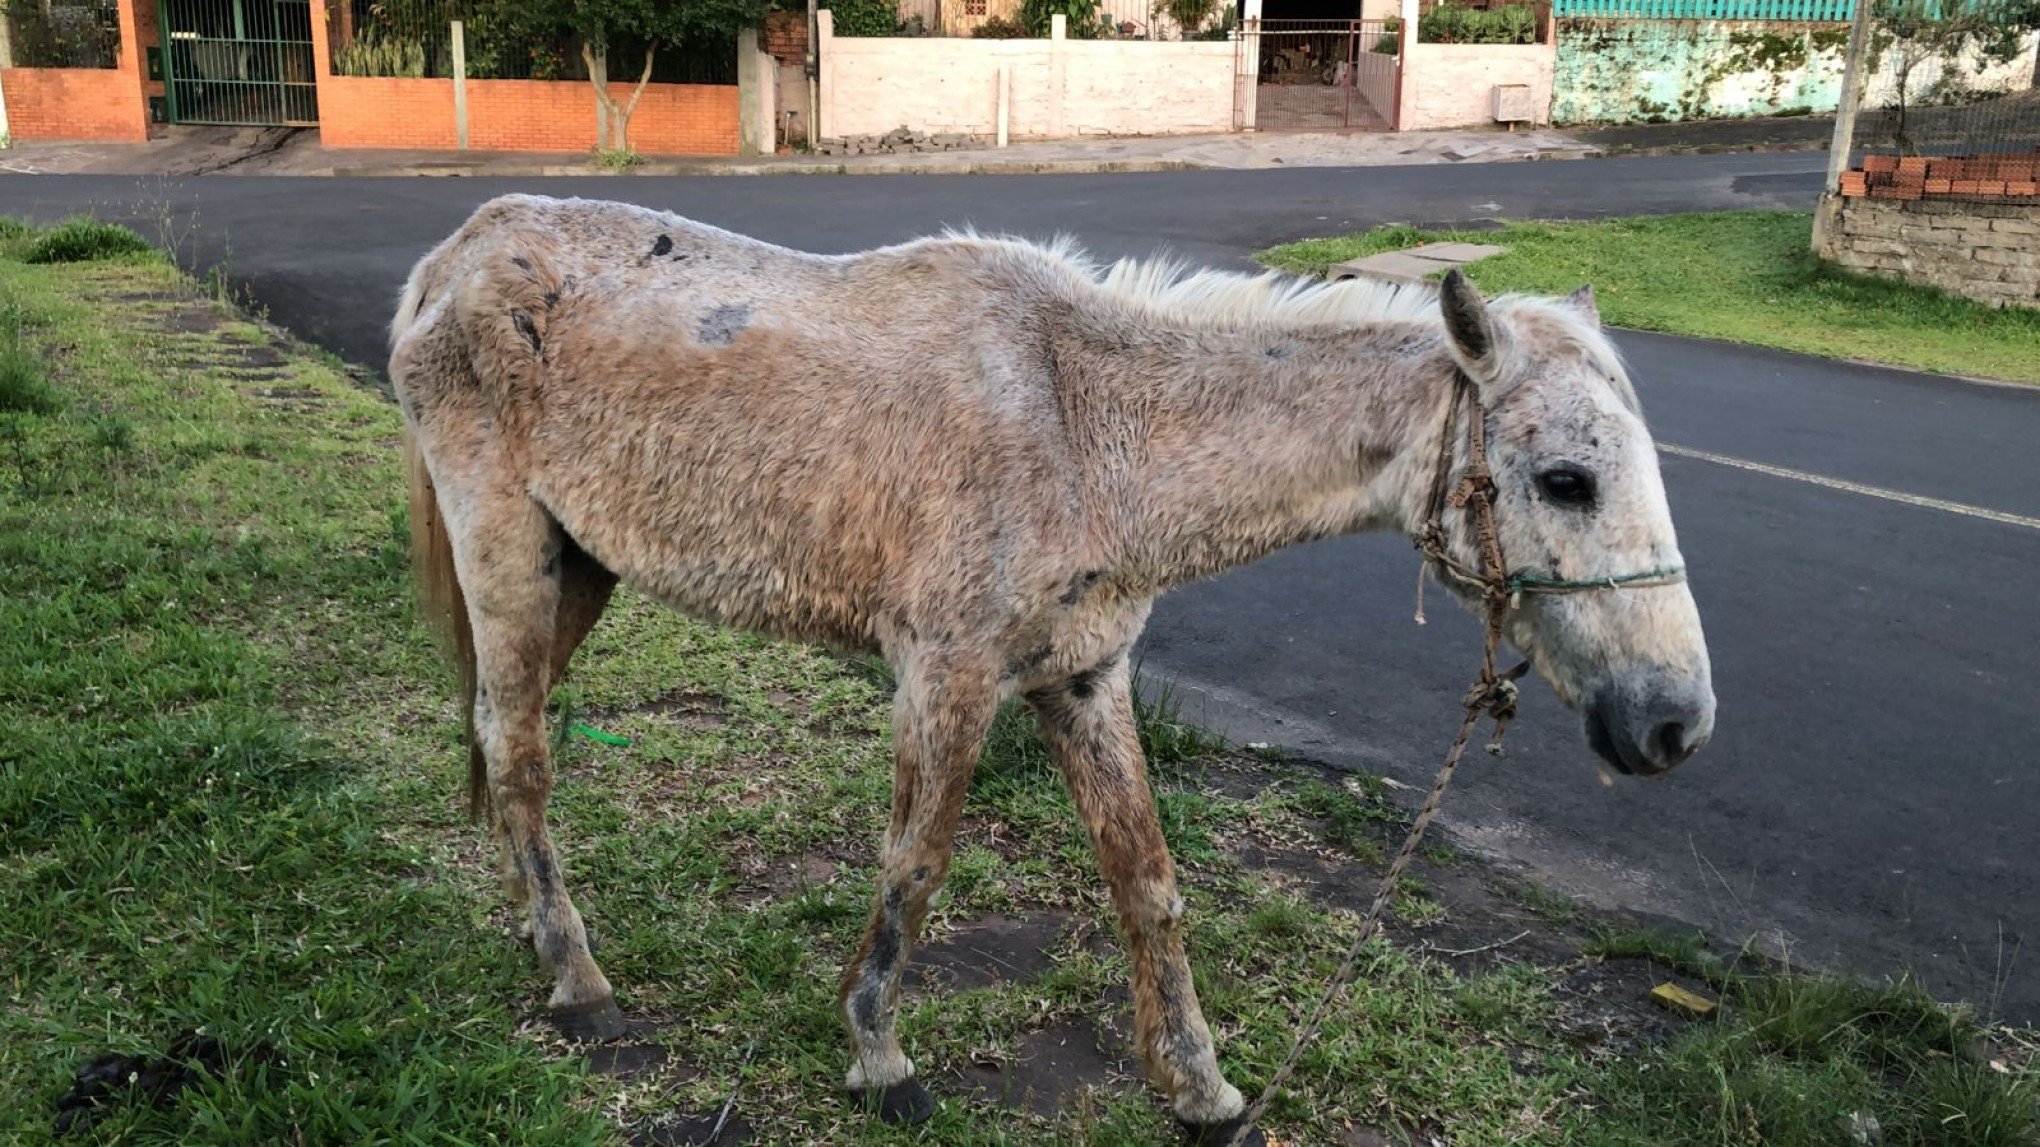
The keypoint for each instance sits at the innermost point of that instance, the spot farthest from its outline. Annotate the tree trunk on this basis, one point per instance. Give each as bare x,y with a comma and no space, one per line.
619,118
597,60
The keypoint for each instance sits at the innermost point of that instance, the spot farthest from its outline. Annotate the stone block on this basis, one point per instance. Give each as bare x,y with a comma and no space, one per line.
2005,257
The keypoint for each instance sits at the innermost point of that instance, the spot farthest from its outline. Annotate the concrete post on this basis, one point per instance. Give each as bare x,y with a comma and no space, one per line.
1247,66
1408,16
460,116
6,61
1058,72
754,97
1845,132
825,113
1004,81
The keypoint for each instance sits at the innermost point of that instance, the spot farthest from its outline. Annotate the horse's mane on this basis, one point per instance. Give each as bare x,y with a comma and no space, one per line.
1174,289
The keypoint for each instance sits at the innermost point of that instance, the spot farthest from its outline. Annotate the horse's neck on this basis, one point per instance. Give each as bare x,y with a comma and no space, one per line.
1222,447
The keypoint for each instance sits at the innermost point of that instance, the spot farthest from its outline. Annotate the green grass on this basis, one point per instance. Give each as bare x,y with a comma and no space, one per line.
1742,276
229,800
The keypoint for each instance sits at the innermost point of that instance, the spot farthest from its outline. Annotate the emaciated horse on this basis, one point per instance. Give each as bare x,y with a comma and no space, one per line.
981,459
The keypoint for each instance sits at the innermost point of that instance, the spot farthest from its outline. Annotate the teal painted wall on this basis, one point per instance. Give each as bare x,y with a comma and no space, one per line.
1651,71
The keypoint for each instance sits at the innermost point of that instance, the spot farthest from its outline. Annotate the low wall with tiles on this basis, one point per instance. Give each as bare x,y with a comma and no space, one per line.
1985,251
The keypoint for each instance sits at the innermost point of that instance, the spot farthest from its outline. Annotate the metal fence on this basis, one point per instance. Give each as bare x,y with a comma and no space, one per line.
1108,19
1320,75
238,61
64,35
1772,11
1950,107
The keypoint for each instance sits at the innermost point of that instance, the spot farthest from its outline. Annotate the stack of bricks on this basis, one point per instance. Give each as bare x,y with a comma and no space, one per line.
2003,176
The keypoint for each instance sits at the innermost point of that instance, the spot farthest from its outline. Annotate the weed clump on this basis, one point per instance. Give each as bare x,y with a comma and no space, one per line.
85,240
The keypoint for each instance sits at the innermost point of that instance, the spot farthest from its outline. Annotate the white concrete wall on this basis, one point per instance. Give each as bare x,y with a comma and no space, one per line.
1452,85
1060,87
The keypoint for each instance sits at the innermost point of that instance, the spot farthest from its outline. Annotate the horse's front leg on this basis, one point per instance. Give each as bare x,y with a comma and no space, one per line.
941,711
1088,722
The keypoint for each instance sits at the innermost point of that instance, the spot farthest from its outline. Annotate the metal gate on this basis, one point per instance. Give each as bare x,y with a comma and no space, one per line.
238,61
1319,75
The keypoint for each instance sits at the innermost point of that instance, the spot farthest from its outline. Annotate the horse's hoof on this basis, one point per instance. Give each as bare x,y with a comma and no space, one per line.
905,1103
1221,1134
592,1022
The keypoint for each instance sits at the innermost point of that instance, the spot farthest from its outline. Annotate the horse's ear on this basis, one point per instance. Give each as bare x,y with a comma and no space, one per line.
1582,301
1469,328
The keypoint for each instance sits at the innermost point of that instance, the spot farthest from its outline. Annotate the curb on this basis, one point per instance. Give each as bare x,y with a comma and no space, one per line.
989,167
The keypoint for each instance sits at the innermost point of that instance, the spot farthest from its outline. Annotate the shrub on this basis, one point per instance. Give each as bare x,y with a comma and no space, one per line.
865,17
1189,15
83,240
381,54
1454,24
1037,16
1390,43
999,28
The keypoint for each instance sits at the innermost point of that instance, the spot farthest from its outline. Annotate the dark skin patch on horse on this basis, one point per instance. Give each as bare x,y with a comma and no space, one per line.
878,966
1083,684
1079,586
527,328
663,245
721,326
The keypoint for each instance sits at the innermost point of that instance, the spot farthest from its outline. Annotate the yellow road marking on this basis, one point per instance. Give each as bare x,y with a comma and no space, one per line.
1844,484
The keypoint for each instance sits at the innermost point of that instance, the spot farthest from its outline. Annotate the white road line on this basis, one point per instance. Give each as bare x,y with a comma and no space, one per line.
1855,487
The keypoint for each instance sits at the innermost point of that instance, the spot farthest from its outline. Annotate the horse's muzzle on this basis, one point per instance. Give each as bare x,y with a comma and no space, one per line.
1652,734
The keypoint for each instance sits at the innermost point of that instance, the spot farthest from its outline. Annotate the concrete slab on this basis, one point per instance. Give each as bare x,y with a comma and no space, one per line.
1413,262
1454,253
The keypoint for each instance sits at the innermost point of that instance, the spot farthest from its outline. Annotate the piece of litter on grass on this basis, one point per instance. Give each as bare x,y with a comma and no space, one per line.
1680,1000
599,735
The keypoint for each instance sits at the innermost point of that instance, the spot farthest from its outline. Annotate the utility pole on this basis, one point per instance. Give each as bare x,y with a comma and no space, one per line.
1845,128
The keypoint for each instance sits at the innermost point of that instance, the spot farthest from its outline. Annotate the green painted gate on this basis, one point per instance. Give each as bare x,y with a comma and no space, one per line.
238,61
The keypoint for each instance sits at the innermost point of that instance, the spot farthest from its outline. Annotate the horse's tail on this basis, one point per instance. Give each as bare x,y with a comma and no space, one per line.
445,607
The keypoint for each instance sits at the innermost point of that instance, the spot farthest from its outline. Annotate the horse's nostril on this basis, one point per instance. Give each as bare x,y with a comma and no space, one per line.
1671,743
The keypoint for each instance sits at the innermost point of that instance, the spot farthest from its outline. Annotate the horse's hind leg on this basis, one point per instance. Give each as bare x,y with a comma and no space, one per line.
1088,722
509,553
585,586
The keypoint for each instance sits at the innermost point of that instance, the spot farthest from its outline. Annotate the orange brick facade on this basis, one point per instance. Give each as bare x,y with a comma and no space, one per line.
511,115
75,103
359,111
83,103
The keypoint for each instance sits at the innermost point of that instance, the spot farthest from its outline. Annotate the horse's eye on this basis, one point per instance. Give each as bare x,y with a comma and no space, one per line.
1567,486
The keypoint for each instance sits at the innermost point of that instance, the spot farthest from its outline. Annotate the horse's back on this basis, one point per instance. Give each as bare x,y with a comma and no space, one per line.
764,437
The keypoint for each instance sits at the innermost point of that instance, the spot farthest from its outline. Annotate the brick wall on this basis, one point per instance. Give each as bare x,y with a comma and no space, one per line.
521,115
75,103
785,37
84,103
535,115
512,115
366,111
1987,251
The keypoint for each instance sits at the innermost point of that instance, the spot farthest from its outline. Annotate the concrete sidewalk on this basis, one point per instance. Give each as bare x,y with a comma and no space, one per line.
254,151
285,151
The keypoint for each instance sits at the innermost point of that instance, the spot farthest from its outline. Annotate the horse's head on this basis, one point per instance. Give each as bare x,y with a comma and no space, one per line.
1578,499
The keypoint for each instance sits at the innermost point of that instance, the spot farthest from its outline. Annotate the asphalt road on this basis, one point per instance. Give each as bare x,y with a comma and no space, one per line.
1872,792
